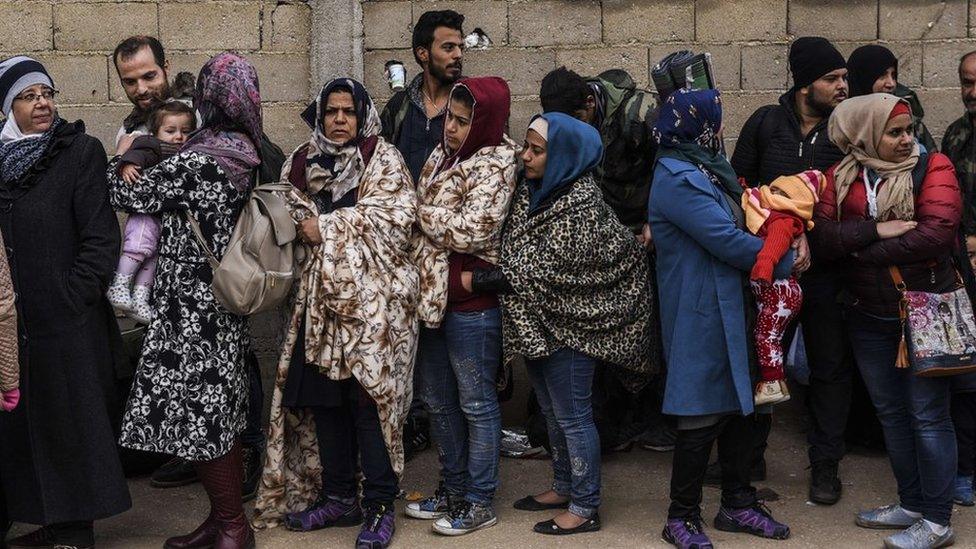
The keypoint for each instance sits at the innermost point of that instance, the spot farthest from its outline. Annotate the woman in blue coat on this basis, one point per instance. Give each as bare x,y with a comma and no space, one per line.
703,260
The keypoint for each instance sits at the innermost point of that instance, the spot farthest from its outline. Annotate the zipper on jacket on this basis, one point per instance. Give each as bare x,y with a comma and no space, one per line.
801,149
813,151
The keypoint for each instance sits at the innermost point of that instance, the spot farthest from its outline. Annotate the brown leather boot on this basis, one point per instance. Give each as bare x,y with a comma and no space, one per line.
203,537
222,478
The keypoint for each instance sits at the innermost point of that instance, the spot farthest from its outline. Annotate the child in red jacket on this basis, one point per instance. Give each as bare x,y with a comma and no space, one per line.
778,213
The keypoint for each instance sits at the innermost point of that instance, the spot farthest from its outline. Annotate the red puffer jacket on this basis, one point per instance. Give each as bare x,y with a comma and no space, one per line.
923,255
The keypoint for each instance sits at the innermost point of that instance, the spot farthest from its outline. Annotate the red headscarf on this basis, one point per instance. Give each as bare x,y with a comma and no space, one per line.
489,115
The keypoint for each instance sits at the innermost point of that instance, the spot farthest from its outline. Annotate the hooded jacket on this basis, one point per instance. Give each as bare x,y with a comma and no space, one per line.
463,198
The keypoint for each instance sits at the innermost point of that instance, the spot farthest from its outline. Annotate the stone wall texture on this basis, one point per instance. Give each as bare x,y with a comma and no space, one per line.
296,45
748,40
75,39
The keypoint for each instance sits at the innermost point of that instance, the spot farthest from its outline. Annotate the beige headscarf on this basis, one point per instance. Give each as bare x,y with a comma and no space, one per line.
856,127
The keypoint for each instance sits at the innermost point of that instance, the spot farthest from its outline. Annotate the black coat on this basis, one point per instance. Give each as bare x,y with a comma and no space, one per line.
771,145
58,457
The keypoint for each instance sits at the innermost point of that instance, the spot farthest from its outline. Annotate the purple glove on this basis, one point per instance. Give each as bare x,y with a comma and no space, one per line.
9,400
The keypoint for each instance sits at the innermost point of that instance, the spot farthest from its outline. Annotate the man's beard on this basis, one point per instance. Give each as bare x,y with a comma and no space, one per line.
822,108
443,76
156,99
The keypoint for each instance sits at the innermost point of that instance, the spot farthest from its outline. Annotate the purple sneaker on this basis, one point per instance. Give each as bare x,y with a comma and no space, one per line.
323,513
755,520
686,534
378,528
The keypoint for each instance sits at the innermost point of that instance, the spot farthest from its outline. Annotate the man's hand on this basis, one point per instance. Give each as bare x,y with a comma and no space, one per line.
802,250
125,143
308,231
130,173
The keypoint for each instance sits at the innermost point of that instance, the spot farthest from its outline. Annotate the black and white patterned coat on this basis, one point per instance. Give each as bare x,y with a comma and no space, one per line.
189,397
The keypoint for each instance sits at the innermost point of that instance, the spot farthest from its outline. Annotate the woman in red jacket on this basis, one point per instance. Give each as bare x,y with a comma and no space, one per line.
871,215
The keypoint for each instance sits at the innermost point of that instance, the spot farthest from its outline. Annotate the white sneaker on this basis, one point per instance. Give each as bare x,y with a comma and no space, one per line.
119,294
141,311
771,392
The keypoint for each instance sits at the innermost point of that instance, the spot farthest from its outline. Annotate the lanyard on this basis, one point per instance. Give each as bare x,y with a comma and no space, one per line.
871,189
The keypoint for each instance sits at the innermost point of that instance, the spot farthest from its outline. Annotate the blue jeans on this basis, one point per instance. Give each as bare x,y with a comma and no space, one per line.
914,413
458,363
563,383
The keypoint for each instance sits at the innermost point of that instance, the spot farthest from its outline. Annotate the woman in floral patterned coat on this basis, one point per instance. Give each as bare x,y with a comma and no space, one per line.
344,376
189,397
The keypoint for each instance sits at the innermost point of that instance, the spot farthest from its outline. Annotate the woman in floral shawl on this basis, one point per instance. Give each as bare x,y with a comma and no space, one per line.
463,196
189,397
344,376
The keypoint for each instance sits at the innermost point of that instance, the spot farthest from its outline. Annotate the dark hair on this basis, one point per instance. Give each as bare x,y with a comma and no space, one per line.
168,108
430,21
963,59
563,91
131,45
462,95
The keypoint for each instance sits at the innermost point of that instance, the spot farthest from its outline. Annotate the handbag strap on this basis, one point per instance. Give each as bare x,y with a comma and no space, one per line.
897,279
195,227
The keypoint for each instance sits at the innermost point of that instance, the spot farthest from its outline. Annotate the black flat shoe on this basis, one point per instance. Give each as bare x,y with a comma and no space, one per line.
529,503
550,527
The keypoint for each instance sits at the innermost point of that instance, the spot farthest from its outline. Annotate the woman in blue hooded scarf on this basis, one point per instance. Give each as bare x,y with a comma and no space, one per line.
704,255
577,283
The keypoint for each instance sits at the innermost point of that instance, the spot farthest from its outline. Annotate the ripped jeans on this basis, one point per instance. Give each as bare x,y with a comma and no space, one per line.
563,383
458,363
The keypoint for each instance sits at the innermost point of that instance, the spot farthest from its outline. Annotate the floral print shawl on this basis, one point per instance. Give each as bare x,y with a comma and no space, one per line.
460,209
358,295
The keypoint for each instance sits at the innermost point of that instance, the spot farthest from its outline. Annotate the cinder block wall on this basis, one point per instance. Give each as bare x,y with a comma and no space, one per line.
75,39
748,39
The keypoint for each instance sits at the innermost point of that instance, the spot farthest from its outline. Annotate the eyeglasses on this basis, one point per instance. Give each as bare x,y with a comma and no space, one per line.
48,95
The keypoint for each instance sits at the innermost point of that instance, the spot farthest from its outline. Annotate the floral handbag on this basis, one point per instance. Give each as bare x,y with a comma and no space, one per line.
938,331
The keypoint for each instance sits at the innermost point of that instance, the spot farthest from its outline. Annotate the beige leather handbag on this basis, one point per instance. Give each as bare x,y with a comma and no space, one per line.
260,263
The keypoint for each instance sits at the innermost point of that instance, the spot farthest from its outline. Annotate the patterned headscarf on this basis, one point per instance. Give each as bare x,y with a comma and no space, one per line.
229,102
17,157
332,164
688,129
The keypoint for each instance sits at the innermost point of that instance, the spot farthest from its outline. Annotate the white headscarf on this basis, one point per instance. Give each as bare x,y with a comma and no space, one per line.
11,132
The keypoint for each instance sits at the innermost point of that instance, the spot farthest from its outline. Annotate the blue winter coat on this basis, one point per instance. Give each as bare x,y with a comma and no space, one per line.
703,262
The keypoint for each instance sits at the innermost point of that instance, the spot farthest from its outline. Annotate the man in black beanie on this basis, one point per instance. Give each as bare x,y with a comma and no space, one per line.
785,139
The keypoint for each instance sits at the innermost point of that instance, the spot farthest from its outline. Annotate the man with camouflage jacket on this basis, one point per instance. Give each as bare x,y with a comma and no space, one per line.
959,142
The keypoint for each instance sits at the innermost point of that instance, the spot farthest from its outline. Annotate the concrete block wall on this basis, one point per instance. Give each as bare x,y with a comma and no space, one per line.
748,39
75,39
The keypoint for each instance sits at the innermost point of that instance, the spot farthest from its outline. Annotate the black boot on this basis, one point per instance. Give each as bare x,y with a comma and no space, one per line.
173,473
825,486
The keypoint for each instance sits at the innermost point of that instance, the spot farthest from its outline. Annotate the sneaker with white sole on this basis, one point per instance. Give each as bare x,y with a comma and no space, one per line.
920,536
889,517
432,507
464,518
771,392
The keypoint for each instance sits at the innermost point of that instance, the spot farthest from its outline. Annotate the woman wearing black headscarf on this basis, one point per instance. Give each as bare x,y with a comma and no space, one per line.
58,462
874,69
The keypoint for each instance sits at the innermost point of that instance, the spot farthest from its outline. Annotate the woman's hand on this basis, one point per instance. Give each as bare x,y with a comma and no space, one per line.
894,229
466,277
308,231
130,173
645,238
801,247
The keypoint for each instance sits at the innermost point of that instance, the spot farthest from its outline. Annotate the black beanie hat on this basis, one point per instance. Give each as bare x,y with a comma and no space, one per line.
866,64
811,57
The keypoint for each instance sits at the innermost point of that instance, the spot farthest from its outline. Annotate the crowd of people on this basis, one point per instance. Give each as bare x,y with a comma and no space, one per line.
648,285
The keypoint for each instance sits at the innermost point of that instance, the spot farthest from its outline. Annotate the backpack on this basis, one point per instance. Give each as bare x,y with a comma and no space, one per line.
259,265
